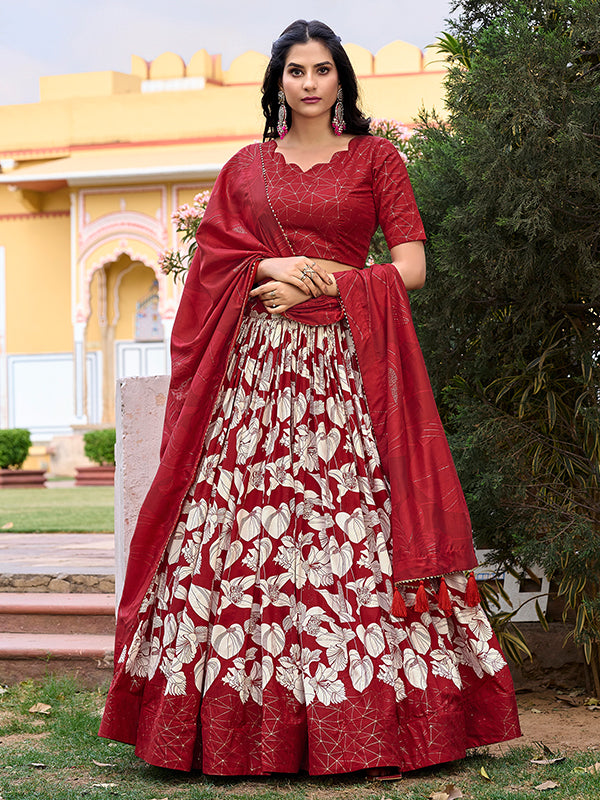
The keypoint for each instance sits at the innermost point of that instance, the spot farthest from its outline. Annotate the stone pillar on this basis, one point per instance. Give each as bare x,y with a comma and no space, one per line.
140,411
80,377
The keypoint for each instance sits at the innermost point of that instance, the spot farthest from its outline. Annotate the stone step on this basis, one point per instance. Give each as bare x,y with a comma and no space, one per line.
63,634
57,613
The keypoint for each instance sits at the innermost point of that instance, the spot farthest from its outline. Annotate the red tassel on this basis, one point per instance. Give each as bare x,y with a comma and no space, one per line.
398,605
444,603
472,597
421,604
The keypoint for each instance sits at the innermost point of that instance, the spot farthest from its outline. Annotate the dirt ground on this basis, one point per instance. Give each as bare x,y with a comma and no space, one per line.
560,726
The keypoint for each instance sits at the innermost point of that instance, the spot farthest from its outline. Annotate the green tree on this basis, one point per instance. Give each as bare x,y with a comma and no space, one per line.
509,189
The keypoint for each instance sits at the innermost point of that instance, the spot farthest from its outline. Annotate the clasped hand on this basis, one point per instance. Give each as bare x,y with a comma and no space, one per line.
292,281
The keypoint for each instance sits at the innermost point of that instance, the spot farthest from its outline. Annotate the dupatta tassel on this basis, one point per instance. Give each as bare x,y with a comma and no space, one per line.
421,604
444,602
398,605
472,596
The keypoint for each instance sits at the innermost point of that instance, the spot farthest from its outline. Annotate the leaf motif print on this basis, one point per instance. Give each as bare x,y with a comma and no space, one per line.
186,642
456,581
374,640
341,558
419,637
338,604
444,666
345,477
284,404
317,567
477,621
233,592
276,521
365,591
224,484
415,669
176,683
352,525
336,411
169,629
270,589
268,669
236,548
299,408
305,448
200,674
201,599
361,670
227,641
490,659
176,543
249,523
247,440
289,676
327,443
272,638
328,689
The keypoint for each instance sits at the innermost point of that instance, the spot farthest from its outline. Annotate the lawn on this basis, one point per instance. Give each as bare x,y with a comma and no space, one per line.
57,756
77,509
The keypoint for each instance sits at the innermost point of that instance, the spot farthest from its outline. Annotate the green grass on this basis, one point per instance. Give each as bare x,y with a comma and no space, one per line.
81,509
65,743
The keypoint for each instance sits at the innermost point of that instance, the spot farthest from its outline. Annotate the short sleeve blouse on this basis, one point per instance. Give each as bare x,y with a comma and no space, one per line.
332,209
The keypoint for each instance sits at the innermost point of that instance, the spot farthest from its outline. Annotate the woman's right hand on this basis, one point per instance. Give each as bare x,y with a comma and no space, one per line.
299,271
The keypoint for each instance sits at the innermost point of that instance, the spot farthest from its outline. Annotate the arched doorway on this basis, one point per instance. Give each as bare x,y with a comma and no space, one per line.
124,326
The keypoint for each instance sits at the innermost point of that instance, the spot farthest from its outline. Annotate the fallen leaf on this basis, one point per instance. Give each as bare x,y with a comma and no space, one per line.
593,708
484,774
594,769
542,787
449,793
536,711
7,526
104,785
3,690
40,708
37,765
545,761
566,698
102,763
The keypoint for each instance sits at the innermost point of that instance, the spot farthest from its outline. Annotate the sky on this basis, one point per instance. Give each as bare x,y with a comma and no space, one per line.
54,37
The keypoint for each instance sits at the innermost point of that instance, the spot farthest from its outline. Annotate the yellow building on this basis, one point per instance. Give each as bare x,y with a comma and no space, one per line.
89,178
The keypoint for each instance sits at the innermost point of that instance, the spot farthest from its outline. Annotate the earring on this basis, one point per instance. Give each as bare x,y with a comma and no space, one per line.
282,127
338,124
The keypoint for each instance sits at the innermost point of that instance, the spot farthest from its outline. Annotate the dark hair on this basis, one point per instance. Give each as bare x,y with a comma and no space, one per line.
301,32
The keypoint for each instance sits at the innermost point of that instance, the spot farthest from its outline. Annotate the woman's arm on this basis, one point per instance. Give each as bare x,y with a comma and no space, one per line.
409,260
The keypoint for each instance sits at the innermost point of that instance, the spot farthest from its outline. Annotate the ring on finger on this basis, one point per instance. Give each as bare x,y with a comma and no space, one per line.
273,293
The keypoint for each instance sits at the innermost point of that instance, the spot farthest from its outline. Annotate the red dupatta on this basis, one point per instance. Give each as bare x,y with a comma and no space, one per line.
431,533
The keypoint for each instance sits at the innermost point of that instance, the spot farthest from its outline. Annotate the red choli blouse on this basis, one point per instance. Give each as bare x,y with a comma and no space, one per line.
331,210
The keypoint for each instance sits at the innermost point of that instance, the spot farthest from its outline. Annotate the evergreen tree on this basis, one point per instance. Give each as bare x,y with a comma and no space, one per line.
509,320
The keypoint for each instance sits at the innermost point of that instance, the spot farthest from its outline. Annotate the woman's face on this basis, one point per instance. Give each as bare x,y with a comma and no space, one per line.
310,79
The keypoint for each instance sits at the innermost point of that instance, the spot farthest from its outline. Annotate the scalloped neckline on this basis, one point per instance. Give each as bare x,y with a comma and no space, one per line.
277,152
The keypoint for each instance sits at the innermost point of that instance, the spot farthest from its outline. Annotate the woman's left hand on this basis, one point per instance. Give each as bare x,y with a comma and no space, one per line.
277,296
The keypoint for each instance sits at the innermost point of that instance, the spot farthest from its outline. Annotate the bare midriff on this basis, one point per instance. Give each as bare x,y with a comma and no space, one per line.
333,266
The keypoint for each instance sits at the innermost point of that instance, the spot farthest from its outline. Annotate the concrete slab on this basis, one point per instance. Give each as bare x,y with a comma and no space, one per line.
56,553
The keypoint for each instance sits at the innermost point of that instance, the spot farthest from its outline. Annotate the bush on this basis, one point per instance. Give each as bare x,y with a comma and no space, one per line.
99,446
14,446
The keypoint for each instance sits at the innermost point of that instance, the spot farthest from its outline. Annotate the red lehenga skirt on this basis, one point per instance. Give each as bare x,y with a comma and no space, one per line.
265,641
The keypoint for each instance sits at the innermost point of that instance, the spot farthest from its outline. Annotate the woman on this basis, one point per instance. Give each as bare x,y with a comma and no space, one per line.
285,606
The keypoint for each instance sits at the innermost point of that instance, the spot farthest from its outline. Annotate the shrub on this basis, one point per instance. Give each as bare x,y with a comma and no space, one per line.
14,446
99,446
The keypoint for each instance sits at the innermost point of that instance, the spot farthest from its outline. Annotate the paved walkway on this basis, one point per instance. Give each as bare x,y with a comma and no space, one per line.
55,553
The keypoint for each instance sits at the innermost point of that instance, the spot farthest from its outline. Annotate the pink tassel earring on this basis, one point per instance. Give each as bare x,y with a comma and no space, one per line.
282,127
338,124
